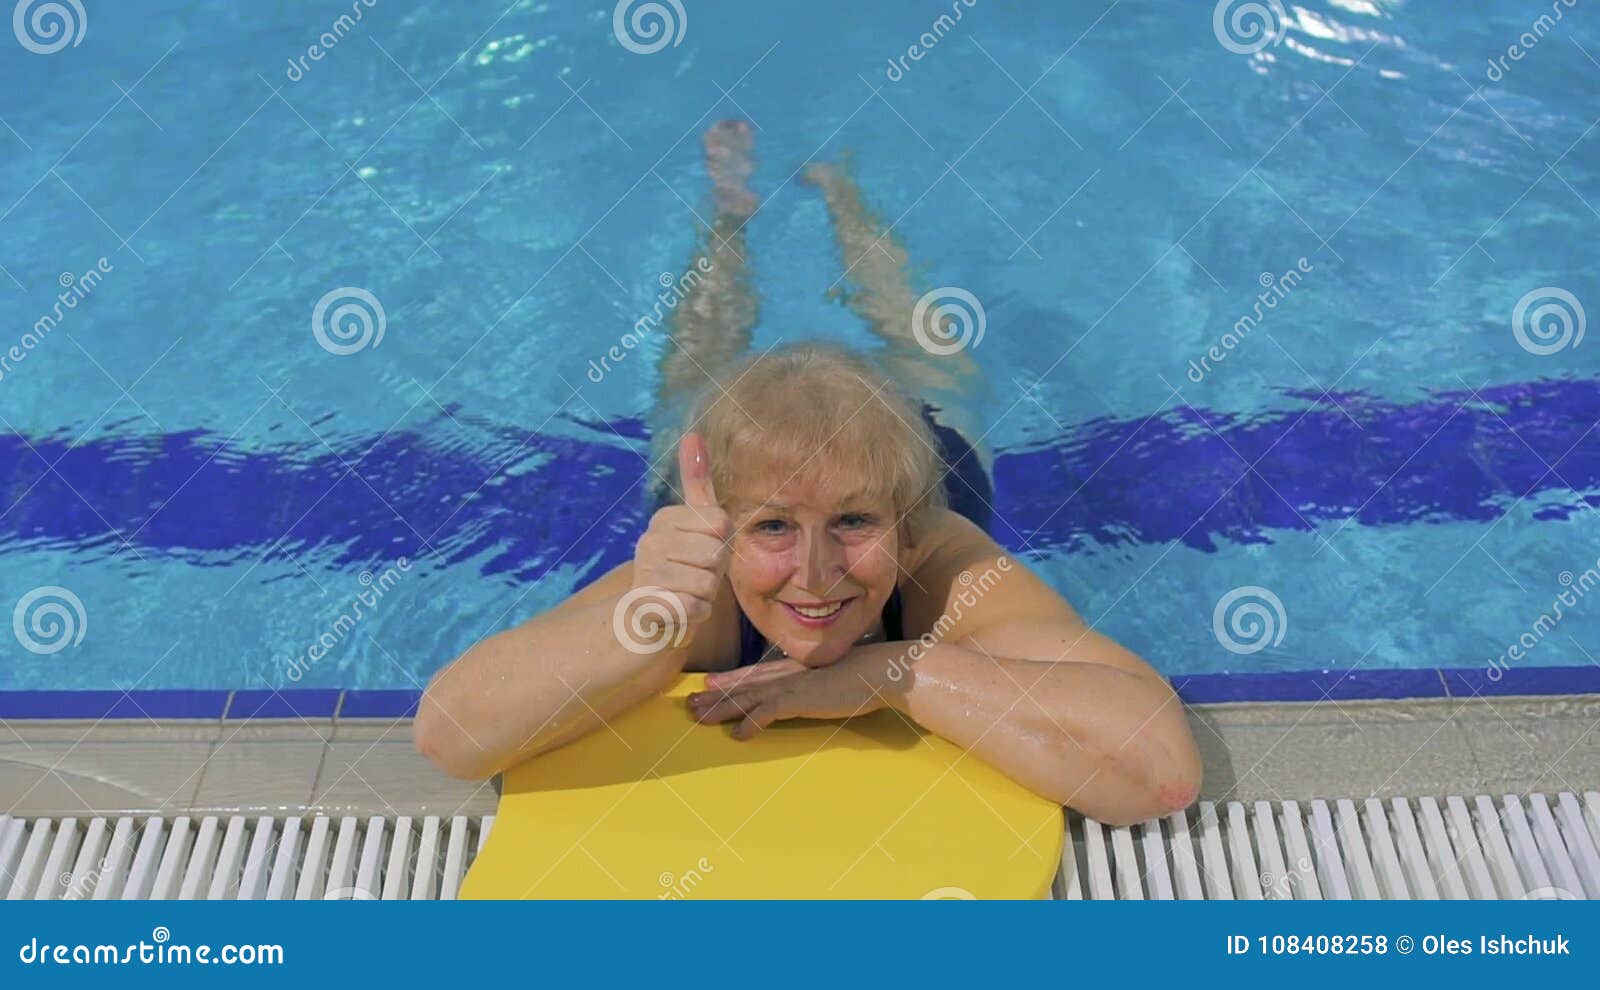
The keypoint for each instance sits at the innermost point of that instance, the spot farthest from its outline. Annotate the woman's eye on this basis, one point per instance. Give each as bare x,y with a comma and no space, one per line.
771,527
855,520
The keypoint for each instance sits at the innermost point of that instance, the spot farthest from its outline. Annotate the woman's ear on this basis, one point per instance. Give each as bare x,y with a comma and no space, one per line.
907,532
914,524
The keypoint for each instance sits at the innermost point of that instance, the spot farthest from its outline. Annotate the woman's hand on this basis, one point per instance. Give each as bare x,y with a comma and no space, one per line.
768,692
684,552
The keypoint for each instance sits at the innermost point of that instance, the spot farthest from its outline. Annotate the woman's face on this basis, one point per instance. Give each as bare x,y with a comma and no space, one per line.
799,551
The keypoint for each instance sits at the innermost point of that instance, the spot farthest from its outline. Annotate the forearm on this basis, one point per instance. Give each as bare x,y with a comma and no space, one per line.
1109,743
535,687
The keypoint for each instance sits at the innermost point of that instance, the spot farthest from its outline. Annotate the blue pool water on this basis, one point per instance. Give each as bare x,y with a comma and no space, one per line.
1113,182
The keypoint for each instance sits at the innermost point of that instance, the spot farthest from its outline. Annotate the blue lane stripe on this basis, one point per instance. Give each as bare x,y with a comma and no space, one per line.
379,704
1476,681
1194,689
1310,685
1107,482
307,703
113,704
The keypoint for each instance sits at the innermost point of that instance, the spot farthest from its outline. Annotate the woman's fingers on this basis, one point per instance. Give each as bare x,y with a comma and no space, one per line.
754,707
687,580
712,707
724,712
753,695
698,549
764,715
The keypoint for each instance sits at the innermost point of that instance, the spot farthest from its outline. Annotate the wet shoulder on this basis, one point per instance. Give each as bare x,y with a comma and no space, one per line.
952,545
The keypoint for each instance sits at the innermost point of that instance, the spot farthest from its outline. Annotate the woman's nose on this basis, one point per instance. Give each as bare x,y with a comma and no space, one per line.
821,563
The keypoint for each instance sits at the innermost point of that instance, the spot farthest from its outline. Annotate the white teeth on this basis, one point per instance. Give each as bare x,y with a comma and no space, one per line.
818,613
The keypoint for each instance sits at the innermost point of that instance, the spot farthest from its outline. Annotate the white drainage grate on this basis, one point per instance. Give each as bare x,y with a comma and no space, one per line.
238,858
1529,846
1522,847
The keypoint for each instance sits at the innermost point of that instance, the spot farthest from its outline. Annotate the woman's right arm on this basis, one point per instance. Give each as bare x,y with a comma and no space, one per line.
546,682
565,673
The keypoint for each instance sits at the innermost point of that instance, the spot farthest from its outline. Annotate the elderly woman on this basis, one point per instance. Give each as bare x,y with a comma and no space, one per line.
827,557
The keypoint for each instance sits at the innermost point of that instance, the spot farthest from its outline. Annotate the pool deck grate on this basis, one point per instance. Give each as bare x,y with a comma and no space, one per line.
1520,847
1455,848
238,858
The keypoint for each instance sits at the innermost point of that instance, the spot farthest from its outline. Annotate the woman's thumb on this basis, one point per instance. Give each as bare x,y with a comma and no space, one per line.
694,467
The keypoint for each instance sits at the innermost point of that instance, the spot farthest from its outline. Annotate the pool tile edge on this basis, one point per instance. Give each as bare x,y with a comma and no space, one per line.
1329,684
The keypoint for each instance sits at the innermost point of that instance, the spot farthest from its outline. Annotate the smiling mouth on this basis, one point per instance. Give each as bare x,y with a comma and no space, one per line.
817,613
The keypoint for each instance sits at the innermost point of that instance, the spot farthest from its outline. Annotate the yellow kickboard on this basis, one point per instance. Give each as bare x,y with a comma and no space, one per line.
658,806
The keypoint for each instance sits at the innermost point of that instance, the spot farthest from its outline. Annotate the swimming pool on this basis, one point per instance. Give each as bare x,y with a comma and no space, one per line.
1249,308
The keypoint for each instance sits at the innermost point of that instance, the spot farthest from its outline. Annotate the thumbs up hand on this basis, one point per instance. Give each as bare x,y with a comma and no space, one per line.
680,561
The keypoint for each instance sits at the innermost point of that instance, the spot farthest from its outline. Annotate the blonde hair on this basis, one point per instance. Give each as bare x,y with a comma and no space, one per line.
828,415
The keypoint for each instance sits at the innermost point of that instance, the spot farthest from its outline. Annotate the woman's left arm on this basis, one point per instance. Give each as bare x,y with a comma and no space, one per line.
1015,676
1111,744
1020,682
1007,671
